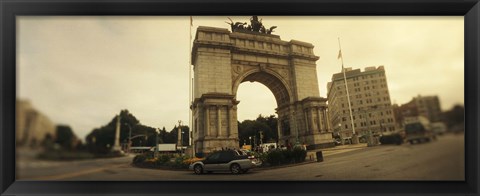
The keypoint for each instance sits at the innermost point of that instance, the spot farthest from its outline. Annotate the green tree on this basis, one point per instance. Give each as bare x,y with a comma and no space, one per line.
253,128
172,136
101,140
65,137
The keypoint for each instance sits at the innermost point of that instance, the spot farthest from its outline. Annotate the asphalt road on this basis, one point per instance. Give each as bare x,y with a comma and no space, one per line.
439,160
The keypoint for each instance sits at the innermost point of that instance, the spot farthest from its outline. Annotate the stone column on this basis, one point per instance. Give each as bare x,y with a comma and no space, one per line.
319,118
207,121
219,122
116,144
327,119
312,123
229,120
305,112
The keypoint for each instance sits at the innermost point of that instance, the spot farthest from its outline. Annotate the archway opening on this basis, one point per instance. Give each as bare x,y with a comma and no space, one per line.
257,110
257,118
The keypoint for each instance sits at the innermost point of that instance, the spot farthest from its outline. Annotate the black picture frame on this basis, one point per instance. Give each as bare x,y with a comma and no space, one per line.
9,9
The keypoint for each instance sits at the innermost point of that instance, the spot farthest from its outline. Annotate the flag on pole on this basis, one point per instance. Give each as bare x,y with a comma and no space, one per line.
339,54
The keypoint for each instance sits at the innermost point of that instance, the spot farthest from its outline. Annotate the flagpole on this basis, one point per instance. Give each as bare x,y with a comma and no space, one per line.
190,81
346,87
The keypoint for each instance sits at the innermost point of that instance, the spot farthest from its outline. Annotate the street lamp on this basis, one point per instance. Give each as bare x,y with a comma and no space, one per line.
261,137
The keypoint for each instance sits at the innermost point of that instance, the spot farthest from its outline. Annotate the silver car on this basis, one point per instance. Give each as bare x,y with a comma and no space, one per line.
227,160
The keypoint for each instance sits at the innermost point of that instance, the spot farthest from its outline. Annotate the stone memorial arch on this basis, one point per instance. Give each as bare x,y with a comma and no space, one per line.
223,60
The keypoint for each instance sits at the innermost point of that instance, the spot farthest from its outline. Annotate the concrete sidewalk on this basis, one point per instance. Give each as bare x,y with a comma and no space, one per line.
311,155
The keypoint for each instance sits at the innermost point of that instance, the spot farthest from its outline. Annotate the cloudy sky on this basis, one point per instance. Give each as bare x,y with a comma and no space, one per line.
81,71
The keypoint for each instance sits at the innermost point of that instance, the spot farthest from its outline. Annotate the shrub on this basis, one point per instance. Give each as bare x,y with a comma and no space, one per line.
63,155
192,160
288,156
275,157
162,159
180,162
299,155
263,157
139,158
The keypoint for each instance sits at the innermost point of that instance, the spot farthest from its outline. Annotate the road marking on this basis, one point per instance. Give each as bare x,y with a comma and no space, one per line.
74,174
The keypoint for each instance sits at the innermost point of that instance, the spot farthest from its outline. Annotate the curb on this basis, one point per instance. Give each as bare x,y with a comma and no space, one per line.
283,166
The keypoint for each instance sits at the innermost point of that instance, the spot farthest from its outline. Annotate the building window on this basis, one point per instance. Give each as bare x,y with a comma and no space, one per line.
346,126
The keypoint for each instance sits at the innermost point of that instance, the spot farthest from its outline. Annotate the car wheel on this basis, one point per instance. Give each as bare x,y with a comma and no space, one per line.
235,169
198,169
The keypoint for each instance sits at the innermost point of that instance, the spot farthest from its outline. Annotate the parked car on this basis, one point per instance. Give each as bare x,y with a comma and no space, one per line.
227,160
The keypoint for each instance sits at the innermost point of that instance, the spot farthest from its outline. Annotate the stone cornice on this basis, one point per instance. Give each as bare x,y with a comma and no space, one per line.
207,96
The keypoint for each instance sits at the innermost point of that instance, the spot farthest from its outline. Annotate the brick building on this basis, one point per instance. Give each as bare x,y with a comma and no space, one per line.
369,99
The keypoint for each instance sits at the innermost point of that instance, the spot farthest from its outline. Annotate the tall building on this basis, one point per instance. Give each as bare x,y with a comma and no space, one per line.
369,99
427,106
31,125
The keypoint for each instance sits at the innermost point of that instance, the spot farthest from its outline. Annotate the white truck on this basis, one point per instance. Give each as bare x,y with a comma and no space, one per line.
418,129
165,148
268,146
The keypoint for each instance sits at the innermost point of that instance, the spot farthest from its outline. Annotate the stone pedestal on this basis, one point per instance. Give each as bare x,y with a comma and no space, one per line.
215,123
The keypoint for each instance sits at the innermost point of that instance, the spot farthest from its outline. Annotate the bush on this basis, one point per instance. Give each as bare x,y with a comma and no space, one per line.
62,155
162,159
139,158
263,157
180,162
288,156
278,157
275,157
299,155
